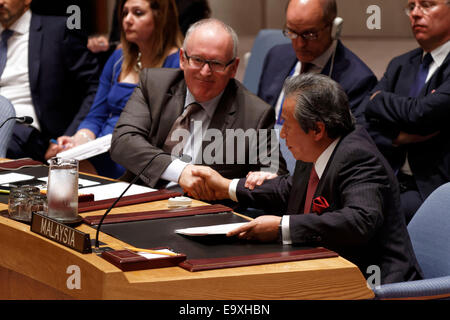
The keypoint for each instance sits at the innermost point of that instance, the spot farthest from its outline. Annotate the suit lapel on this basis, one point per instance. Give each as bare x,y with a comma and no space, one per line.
34,51
171,108
224,115
438,77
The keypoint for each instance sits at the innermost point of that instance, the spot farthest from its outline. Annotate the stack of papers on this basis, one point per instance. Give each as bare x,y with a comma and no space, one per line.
88,150
114,190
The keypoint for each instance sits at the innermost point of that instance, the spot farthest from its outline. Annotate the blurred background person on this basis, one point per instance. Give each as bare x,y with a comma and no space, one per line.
47,73
150,38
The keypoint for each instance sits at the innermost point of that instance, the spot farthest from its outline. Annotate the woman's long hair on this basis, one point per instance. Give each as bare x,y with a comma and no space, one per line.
166,34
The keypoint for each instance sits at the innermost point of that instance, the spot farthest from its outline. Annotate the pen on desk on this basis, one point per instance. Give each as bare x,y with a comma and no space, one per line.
55,142
152,251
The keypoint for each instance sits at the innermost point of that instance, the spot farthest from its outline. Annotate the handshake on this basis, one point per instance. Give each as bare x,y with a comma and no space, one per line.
204,183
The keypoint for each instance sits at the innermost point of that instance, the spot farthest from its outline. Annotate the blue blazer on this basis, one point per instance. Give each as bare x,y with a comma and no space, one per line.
349,71
63,77
392,111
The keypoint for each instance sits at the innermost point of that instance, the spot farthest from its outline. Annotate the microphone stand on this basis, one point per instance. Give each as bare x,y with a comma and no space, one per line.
120,197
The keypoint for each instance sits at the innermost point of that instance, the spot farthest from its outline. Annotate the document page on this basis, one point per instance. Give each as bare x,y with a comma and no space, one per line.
89,149
114,190
14,177
210,230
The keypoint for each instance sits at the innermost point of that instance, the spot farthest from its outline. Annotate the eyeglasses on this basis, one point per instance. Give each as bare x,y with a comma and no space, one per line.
424,6
307,35
214,65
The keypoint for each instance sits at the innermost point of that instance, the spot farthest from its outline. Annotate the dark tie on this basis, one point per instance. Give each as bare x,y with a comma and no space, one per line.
421,76
6,34
312,186
306,66
182,122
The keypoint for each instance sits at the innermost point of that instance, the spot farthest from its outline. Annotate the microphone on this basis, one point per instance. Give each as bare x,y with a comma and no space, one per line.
25,119
120,197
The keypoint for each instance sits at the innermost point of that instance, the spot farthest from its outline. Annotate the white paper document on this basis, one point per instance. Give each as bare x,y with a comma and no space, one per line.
114,190
88,150
210,230
14,177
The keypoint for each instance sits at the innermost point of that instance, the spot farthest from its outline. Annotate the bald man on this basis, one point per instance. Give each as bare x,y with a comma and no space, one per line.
309,25
208,62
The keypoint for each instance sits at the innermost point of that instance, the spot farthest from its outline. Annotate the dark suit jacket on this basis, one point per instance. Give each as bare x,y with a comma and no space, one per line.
154,106
63,77
393,111
363,223
349,71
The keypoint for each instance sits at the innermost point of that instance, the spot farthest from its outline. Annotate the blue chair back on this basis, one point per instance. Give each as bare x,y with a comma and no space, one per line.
264,41
6,111
429,230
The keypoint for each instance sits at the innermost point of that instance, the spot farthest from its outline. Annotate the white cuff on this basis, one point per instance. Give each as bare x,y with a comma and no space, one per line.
173,171
232,190
285,232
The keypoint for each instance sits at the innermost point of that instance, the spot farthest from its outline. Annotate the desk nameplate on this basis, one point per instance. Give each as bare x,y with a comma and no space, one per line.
61,233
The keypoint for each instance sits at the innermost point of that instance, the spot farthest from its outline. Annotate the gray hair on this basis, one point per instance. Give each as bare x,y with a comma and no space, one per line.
208,21
320,99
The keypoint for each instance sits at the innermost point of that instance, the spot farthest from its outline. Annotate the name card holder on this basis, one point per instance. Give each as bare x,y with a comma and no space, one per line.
61,233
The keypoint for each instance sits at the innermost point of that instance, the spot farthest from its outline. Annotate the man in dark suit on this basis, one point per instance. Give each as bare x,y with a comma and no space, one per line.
49,75
408,111
343,194
163,99
309,24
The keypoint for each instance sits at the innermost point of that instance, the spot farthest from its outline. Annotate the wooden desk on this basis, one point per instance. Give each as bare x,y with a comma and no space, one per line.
33,267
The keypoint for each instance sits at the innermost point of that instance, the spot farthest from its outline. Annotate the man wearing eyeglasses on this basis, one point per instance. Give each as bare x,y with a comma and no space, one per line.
309,25
203,98
409,110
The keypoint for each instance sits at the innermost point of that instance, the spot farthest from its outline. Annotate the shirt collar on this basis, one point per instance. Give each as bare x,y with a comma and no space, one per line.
22,25
209,106
440,53
322,160
322,60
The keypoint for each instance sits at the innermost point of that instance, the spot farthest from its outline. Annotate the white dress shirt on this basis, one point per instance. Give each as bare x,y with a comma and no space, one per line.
14,82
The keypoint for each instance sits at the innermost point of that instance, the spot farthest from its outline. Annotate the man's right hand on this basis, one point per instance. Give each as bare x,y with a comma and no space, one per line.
216,185
194,185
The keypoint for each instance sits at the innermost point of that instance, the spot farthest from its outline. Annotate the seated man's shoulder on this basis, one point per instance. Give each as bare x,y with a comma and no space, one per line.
404,58
281,51
159,76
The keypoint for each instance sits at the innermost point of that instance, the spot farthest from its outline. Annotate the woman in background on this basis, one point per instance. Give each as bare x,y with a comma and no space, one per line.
150,38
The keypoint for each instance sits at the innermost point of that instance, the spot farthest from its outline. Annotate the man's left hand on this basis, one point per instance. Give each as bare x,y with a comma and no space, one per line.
263,228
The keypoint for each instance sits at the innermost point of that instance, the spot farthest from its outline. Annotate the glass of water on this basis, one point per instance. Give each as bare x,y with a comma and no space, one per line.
62,191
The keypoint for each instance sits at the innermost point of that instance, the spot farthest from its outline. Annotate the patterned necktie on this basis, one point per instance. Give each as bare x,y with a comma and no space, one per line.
6,34
182,122
421,76
312,186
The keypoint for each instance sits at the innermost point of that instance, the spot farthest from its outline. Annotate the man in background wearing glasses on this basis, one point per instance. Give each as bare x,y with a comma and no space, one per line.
408,112
309,24
205,98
